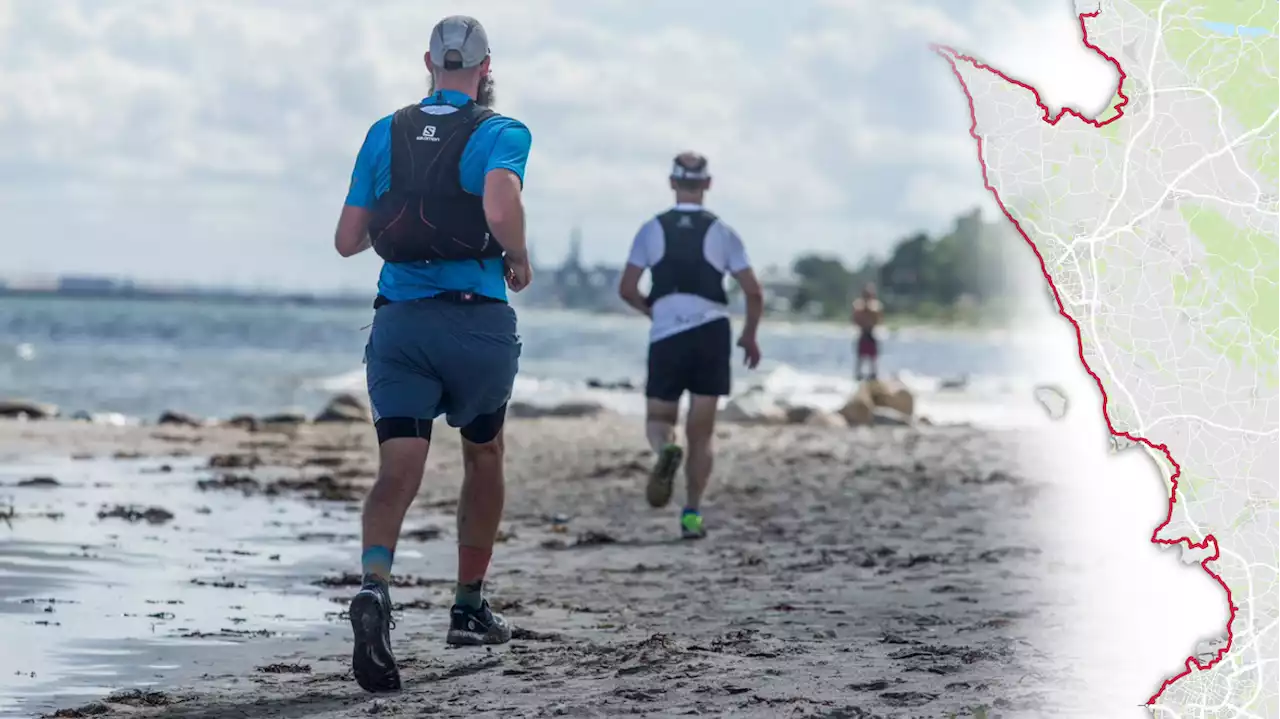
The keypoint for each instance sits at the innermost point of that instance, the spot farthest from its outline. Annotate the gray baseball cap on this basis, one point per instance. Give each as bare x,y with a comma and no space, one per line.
458,42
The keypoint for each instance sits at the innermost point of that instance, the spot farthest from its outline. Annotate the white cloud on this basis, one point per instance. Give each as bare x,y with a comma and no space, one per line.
927,192
227,128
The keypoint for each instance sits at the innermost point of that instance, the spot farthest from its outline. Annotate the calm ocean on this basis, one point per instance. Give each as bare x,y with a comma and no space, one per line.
141,357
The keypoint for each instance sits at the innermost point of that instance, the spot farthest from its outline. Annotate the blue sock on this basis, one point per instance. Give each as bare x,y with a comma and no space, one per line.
689,510
376,562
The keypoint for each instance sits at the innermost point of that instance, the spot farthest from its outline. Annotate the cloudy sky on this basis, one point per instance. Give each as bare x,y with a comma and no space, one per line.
211,141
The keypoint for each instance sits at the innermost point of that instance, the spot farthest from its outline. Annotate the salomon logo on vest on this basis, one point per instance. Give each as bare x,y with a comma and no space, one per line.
429,134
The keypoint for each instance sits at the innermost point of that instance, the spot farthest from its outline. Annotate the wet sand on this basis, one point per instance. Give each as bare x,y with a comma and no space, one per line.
849,573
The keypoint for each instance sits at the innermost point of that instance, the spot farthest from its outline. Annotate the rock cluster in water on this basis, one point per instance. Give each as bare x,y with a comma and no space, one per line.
875,402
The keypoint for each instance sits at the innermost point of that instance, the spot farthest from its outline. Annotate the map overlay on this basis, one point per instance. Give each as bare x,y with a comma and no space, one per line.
1155,224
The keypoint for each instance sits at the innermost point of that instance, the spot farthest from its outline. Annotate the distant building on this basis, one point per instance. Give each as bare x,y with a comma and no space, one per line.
83,285
574,285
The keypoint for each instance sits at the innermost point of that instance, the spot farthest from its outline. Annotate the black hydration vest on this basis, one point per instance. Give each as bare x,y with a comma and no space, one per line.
684,268
426,215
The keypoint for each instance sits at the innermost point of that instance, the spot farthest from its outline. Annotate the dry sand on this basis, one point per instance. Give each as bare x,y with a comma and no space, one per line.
849,573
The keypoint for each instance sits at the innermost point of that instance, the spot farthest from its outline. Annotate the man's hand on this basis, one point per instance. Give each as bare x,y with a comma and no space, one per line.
750,351
518,271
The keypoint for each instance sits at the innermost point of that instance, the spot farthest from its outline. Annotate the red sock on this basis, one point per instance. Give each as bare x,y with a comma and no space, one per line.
473,562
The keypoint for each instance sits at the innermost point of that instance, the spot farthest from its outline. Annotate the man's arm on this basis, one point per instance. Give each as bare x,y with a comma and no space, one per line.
504,211
638,260
753,293
352,236
629,289
739,265
503,185
373,167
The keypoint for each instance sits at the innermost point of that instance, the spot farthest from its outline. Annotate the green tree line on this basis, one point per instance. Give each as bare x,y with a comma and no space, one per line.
958,277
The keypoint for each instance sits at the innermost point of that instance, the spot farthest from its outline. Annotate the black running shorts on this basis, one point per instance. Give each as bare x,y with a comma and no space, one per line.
694,361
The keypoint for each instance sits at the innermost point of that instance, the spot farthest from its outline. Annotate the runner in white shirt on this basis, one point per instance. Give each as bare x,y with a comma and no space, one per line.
688,251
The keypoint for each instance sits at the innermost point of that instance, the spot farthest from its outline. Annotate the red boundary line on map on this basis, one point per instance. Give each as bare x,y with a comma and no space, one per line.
951,57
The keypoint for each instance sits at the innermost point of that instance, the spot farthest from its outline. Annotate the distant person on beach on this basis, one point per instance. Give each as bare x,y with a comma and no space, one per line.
867,314
436,192
688,251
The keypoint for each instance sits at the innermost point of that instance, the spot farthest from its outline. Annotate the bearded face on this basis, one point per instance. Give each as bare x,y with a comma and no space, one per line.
484,93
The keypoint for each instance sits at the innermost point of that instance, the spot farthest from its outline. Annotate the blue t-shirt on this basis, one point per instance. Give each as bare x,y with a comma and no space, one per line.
498,143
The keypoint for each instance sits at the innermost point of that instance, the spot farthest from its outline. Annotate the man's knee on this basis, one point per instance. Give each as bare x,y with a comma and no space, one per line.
401,461
662,411
700,425
489,451
483,434
482,446
485,460
699,441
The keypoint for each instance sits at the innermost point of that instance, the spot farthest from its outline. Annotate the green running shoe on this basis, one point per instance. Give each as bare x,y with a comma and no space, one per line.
658,491
691,525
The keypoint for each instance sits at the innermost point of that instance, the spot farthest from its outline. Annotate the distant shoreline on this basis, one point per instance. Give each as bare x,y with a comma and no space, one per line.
893,321
211,296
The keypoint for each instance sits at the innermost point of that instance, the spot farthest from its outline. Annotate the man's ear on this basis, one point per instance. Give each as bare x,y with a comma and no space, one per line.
426,59
484,67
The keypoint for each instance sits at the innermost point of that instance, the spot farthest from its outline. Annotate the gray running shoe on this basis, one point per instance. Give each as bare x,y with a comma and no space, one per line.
470,627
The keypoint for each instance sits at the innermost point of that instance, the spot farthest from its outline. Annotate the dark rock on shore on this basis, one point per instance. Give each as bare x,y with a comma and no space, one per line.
180,419
152,515
91,709
240,482
235,461
39,482
286,417
140,698
284,668
323,487
425,534
814,417
620,385
246,422
18,408
398,581
800,415
345,407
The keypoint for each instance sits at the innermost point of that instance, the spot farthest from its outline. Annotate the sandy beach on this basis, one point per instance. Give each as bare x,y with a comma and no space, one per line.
869,572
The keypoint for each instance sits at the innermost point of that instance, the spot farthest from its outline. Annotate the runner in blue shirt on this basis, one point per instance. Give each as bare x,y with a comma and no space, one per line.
436,192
